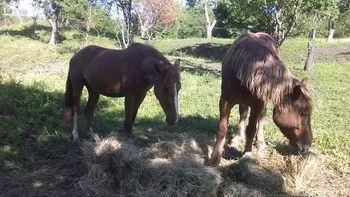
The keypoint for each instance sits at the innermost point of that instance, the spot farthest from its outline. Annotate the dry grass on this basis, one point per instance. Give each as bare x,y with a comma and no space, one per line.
172,165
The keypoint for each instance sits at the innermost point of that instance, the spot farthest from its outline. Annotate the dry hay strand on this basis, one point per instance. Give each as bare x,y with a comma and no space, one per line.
164,168
274,174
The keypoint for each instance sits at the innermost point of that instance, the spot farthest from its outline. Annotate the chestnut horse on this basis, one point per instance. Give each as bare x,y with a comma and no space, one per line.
128,73
253,75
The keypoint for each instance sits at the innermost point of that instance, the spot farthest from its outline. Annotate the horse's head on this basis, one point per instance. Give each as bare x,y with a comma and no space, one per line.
166,80
294,119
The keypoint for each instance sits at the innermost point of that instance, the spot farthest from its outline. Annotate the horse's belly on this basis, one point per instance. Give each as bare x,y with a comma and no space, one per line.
115,94
117,90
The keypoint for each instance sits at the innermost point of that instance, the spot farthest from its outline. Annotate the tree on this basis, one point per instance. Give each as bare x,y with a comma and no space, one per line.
125,18
317,10
342,21
209,25
79,10
52,10
14,6
278,18
153,14
282,17
330,30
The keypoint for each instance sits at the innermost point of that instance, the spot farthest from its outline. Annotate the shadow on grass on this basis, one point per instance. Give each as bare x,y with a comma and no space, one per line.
212,51
27,31
255,178
198,69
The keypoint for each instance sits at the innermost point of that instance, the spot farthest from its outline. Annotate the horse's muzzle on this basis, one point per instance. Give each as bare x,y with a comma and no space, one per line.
172,121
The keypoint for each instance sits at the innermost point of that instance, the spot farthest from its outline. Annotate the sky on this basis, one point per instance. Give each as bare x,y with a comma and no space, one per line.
32,11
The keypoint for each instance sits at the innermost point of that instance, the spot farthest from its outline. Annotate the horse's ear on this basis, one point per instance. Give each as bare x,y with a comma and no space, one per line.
297,92
177,63
304,81
152,69
300,91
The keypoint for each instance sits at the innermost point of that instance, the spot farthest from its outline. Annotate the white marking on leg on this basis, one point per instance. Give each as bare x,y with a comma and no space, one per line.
248,155
241,129
260,141
91,130
239,138
75,127
176,102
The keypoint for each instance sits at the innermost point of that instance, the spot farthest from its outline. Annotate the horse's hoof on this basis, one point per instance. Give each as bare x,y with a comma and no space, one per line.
248,155
96,138
236,141
76,140
213,161
261,146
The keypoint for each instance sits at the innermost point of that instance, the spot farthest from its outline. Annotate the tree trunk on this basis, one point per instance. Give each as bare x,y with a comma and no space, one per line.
54,30
19,17
5,22
126,30
210,26
310,60
330,30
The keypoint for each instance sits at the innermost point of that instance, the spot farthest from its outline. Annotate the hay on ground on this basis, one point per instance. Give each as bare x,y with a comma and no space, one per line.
172,165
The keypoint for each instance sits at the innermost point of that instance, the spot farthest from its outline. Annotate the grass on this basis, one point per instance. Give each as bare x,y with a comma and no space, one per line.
32,81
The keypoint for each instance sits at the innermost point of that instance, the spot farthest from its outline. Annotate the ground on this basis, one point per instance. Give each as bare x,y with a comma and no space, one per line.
38,158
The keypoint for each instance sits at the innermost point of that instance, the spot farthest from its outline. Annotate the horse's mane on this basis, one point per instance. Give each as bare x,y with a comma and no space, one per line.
253,60
171,73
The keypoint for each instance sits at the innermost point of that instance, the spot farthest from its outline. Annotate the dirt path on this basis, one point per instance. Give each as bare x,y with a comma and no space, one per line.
334,53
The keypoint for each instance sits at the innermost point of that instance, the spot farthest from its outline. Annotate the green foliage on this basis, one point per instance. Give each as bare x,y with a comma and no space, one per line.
190,24
321,8
90,15
235,17
342,25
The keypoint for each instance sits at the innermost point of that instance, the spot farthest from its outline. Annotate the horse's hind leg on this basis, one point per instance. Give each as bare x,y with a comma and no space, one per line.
77,90
257,110
90,107
240,136
260,142
225,109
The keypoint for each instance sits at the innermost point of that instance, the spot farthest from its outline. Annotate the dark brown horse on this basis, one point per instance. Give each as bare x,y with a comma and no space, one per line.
128,73
252,76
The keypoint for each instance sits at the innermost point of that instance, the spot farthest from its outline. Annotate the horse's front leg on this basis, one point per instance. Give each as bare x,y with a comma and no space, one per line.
128,106
132,104
257,111
239,137
260,141
225,109
90,108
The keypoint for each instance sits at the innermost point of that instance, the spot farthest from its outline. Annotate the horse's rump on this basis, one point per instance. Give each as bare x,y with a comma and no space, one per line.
253,61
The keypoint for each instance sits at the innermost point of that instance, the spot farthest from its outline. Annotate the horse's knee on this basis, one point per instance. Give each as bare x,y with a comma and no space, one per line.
68,114
221,131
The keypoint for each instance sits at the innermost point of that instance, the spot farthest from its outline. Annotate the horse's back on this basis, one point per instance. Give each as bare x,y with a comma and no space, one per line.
252,67
113,72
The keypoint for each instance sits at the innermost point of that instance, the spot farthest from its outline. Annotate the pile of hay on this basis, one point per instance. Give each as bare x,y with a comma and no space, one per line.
172,165
163,168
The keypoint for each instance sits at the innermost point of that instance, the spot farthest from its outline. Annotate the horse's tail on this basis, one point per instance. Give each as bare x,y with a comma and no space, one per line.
68,100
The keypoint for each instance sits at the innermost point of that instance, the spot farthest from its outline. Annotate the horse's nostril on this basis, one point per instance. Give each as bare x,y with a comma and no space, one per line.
173,120
303,148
